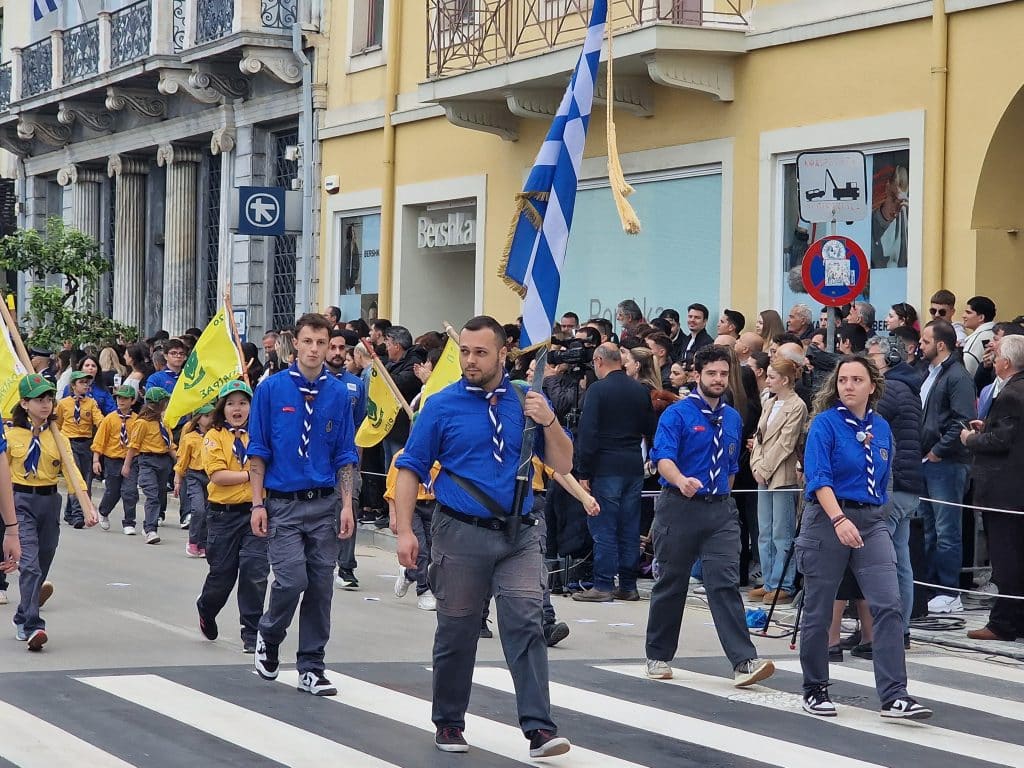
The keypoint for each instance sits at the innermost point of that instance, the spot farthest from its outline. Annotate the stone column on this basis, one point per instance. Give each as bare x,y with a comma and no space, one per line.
179,304
85,214
222,145
129,238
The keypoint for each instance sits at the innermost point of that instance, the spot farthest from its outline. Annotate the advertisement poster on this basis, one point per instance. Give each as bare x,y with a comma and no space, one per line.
359,262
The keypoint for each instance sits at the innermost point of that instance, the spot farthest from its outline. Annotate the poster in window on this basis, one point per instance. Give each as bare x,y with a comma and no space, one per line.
358,263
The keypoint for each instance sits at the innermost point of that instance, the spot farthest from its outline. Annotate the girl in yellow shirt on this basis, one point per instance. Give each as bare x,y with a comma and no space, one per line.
109,449
233,551
189,472
150,440
77,417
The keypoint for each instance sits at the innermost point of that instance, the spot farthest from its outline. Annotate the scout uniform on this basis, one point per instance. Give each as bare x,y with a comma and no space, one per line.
420,526
153,442
192,490
110,447
77,417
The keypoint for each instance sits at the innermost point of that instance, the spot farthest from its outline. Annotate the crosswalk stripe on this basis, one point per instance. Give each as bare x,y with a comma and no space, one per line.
31,742
929,691
692,730
855,718
1009,672
258,733
481,732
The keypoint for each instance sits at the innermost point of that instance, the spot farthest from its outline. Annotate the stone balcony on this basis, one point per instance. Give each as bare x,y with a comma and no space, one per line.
491,63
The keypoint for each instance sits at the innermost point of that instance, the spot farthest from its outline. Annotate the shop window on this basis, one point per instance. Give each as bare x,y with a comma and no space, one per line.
358,263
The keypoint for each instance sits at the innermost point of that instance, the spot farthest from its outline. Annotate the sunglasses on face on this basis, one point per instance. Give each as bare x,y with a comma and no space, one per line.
940,311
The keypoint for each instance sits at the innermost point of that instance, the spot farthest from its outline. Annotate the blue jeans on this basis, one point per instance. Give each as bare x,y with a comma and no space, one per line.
616,531
943,546
776,524
903,506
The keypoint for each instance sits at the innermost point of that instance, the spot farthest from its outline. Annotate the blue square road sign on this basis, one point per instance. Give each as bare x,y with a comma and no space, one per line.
261,211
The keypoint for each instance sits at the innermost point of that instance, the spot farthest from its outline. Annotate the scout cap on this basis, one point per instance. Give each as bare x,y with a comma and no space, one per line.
79,375
208,408
35,385
156,394
125,391
235,386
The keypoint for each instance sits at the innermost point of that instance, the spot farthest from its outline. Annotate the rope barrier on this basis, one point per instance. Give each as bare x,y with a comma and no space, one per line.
973,506
968,591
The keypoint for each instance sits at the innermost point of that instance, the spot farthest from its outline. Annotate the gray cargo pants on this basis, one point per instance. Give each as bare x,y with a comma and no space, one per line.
38,532
154,469
117,488
81,449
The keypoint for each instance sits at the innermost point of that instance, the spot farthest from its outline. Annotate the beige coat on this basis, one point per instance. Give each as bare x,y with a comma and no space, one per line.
774,455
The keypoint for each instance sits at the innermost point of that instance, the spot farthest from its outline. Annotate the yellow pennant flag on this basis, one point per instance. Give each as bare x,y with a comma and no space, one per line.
213,363
381,410
11,371
447,371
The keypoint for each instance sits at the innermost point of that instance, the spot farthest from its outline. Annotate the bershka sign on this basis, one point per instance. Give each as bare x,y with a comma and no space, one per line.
456,229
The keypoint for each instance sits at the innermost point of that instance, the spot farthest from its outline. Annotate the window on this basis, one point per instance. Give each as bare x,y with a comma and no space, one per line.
367,25
282,296
358,238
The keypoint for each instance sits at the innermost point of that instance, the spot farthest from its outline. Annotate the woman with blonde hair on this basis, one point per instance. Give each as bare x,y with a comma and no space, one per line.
110,363
638,363
769,326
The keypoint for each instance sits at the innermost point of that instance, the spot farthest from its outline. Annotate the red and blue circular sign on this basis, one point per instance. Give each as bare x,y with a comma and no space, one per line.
835,270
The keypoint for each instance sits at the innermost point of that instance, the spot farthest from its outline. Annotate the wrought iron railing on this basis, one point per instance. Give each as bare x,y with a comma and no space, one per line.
178,25
37,68
81,51
463,35
5,86
214,19
279,14
131,30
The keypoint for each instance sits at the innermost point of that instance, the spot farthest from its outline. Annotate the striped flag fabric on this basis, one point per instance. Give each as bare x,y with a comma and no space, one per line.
42,7
535,251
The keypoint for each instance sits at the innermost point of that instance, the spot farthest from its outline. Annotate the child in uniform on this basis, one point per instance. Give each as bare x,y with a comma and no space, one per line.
188,472
109,449
421,519
77,417
151,442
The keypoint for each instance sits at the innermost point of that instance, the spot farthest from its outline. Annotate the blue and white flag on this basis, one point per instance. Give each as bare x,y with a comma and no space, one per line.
532,263
42,7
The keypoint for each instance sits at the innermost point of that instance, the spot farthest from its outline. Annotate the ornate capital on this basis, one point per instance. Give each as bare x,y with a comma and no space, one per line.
13,144
693,72
222,140
231,86
278,63
123,165
172,154
174,80
487,116
72,174
44,129
142,102
94,119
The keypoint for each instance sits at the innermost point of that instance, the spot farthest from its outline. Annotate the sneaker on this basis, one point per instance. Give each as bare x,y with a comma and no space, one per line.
626,595
485,631
402,584
266,661
192,550
592,596
19,632
752,671
317,684
906,641
700,589
202,552
754,575
658,670
3,597
129,530
905,708
104,522
546,744
208,626
77,525
152,537
817,702
835,653
945,604
249,646
863,651
45,593
450,739
426,602
38,639
346,580
185,522
850,642
555,633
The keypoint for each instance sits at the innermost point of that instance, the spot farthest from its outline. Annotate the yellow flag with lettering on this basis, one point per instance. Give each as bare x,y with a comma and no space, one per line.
381,411
11,371
447,371
214,362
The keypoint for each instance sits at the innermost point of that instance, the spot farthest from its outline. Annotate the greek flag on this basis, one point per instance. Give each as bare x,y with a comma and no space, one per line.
42,7
535,251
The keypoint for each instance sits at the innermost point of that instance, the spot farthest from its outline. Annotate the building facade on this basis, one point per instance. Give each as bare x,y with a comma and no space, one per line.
436,110
135,121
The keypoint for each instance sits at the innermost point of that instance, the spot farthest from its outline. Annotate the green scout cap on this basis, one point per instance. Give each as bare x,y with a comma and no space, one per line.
79,375
125,391
204,410
235,386
35,385
156,394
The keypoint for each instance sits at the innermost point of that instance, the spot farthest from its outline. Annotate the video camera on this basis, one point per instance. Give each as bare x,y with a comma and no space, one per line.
576,354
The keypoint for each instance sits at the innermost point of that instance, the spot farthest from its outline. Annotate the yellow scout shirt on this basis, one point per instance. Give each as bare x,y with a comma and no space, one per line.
219,454
190,452
145,437
89,417
107,441
18,441
392,480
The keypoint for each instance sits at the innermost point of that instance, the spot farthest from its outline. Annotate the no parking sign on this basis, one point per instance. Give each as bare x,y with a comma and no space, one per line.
835,270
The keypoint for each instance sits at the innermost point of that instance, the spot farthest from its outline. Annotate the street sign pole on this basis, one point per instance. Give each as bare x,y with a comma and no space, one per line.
830,328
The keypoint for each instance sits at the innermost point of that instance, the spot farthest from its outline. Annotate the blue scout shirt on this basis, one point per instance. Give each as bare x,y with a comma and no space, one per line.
834,458
99,394
356,395
686,436
166,379
275,426
453,428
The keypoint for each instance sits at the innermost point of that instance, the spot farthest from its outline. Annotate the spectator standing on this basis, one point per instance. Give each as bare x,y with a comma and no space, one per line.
696,323
769,326
629,316
661,346
863,314
900,315
569,324
167,379
747,344
800,321
979,319
995,383
675,334
943,307
731,323
402,358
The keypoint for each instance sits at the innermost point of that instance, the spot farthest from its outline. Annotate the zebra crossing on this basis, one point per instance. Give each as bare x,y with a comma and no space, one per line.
616,718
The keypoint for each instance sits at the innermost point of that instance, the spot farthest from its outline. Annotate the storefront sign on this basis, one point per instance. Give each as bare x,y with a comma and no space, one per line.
455,230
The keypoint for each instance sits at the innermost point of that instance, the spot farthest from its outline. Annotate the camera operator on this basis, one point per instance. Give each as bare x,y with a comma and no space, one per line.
569,372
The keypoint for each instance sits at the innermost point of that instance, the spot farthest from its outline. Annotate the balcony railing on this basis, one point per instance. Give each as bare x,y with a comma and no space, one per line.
81,51
131,33
464,35
5,85
37,68
214,19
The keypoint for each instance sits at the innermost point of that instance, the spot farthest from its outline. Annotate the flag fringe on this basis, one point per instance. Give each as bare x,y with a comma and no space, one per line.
523,206
621,189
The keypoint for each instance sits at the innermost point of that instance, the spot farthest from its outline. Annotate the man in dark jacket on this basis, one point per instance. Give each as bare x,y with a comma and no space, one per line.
696,323
947,400
616,417
402,356
901,407
997,445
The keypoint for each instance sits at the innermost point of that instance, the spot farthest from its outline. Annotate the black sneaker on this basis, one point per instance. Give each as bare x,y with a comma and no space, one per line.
347,579
485,631
817,702
265,659
208,626
863,651
555,633
450,739
546,744
835,653
316,683
906,641
249,646
850,642
905,708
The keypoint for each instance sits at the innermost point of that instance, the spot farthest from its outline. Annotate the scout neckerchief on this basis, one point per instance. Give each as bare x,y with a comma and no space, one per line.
124,426
239,447
863,433
492,412
309,390
165,434
35,451
714,417
78,408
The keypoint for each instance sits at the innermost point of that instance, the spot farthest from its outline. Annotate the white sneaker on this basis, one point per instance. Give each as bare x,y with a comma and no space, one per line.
152,537
104,522
658,670
426,602
129,530
3,597
317,684
185,521
402,584
945,604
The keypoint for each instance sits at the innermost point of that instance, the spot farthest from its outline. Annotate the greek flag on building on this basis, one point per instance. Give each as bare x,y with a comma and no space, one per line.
42,7
535,251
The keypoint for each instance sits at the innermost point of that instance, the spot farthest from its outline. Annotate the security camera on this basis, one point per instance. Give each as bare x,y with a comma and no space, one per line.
331,185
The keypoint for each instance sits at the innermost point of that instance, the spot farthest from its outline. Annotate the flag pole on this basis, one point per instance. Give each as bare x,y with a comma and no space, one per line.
450,330
526,451
71,473
236,337
386,378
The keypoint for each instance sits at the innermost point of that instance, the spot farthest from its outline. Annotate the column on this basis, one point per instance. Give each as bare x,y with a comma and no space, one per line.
222,145
85,215
129,238
179,304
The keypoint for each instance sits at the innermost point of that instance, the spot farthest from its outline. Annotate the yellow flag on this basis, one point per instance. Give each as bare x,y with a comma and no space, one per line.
11,371
447,371
213,363
381,410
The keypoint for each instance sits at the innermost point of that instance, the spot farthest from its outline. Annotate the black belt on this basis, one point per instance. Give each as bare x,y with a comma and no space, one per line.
154,453
245,506
707,498
307,495
847,504
78,439
38,490
490,523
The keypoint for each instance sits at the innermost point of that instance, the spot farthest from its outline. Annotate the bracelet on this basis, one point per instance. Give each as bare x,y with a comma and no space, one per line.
258,506
837,520
553,420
